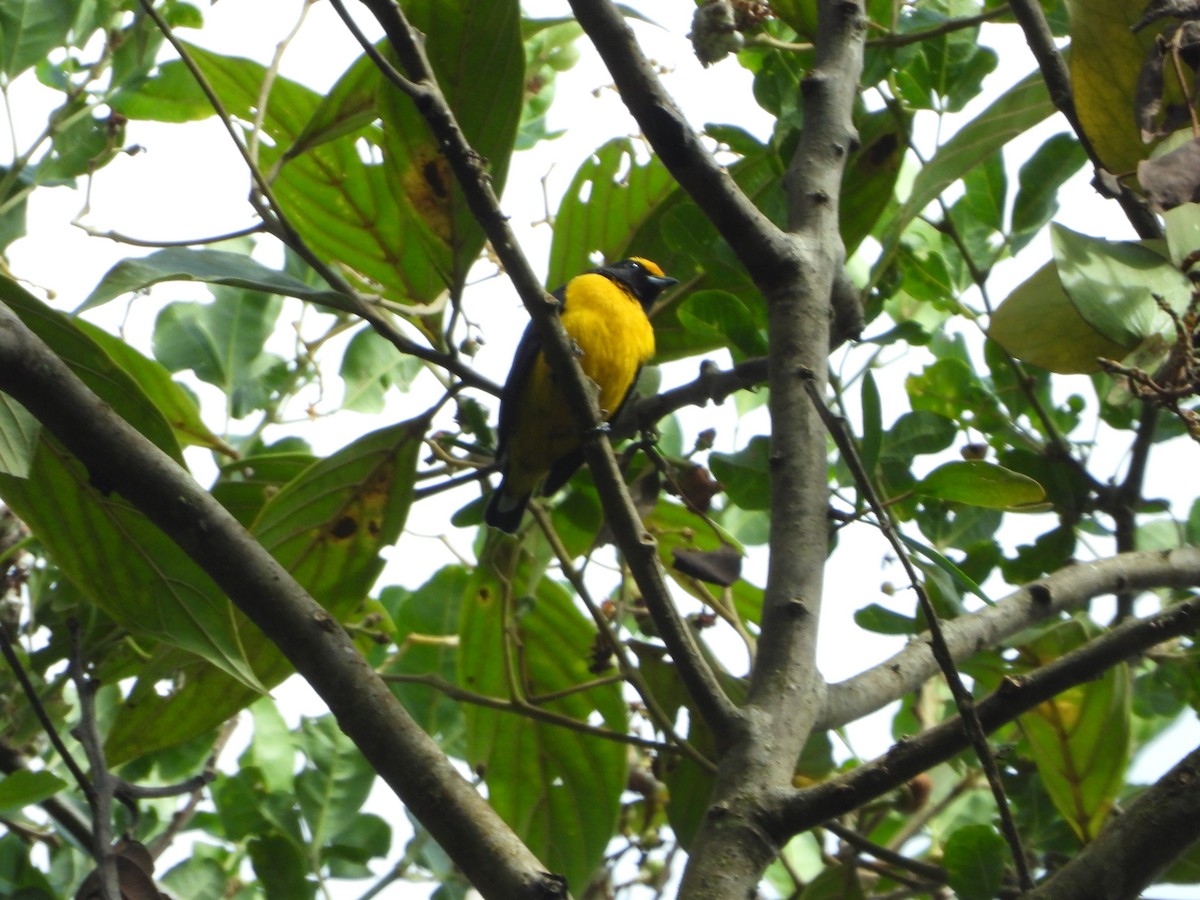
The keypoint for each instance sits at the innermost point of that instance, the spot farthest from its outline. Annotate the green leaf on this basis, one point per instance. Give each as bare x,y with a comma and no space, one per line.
176,404
608,200
209,266
746,473
1020,108
246,485
974,858
1038,323
917,433
1080,739
882,620
872,427
871,172
980,483
431,610
272,750
120,560
462,39
29,30
281,867
1112,284
1106,60
19,432
327,527
370,366
721,316
25,788
334,787
222,342
558,788
1039,180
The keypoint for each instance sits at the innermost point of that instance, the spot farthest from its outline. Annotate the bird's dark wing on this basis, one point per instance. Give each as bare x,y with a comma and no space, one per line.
528,349
561,472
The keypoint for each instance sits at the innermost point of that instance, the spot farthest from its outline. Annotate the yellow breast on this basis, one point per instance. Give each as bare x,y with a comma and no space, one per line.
613,335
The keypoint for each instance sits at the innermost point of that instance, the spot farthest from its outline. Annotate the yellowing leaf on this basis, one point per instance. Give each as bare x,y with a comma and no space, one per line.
1080,740
1106,59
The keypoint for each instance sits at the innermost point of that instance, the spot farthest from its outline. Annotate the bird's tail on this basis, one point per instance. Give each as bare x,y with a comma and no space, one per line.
505,509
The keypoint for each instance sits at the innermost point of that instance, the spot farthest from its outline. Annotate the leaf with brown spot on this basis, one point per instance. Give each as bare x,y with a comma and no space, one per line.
326,526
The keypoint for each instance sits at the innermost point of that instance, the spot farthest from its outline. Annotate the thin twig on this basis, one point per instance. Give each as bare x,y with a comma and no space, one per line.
962,697
522,707
625,666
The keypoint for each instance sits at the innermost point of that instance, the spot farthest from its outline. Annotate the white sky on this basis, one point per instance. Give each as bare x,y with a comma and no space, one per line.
145,196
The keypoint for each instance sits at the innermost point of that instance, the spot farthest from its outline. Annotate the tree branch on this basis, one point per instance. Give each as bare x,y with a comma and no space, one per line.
1065,590
405,757
790,812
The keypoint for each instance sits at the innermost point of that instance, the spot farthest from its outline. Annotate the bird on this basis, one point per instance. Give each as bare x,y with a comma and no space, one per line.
539,441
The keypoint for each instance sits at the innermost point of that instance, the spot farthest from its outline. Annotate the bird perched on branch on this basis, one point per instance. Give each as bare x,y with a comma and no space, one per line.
539,439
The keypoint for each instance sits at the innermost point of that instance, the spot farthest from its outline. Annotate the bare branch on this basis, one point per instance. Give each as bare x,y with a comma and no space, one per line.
1063,591
791,812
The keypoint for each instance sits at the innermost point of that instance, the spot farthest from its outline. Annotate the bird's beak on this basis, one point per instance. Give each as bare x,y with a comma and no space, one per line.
662,282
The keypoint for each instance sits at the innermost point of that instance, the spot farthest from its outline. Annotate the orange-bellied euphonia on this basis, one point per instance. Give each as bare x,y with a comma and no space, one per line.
604,313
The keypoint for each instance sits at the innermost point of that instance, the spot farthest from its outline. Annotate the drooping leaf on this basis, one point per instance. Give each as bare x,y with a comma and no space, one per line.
1106,60
122,562
1080,739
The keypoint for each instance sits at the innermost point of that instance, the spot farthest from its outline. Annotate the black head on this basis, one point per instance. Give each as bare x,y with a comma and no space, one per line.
642,278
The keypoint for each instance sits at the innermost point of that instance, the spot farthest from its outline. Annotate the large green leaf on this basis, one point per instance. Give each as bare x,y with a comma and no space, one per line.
1113,285
1039,324
1080,740
122,562
606,203
463,41
1106,61
559,789
327,527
